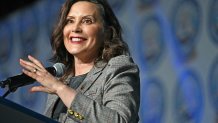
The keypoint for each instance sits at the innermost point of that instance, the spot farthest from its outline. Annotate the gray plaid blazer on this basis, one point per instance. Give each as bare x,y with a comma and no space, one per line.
110,93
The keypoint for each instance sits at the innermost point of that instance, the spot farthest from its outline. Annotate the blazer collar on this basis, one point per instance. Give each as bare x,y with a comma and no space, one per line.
93,74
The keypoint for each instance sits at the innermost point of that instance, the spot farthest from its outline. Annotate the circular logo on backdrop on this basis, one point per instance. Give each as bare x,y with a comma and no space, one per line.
29,32
146,3
213,20
117,5
127,33
188,101
52,9
186,23
213,84
152,101
150,41
6,42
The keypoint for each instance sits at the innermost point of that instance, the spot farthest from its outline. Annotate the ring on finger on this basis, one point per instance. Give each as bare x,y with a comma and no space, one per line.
35,70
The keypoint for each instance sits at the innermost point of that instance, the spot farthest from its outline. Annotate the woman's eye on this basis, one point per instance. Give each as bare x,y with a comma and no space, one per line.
69,21
87,21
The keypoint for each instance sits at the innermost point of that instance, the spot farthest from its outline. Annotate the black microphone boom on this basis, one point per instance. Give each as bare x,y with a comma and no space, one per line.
21,80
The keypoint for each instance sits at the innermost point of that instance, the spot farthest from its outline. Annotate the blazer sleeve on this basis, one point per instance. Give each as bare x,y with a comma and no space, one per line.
121,95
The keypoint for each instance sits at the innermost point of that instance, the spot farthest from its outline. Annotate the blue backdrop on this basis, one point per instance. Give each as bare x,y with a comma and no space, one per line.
174,42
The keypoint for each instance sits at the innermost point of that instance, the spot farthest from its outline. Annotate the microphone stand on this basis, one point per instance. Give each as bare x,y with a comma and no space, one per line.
6,94
8,91
13,87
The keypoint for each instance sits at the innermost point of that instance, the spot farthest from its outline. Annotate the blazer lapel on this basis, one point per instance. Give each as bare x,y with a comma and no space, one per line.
50,102
94,73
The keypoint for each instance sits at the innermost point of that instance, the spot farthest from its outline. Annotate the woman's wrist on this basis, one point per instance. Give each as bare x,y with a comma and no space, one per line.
59,88
66,94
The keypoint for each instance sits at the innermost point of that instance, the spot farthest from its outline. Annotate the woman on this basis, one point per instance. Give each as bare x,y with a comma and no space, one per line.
101,82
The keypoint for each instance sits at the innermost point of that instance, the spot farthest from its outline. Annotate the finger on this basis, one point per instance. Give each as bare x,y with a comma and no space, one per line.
29,66
39,89
35,75
30,74
34,60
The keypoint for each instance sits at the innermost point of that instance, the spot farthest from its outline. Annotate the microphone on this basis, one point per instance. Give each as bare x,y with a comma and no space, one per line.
21,80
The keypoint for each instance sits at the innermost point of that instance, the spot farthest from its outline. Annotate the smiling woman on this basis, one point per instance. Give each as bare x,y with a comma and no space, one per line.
84,32
101,81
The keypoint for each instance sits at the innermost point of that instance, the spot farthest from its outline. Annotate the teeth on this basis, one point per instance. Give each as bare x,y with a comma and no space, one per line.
76,39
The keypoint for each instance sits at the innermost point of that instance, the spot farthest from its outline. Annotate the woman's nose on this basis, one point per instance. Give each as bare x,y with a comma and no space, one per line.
77,28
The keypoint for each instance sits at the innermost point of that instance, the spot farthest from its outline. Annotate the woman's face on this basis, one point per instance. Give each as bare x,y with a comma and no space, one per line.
84,30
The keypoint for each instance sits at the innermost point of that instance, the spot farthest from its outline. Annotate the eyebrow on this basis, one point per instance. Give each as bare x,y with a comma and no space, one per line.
82,16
